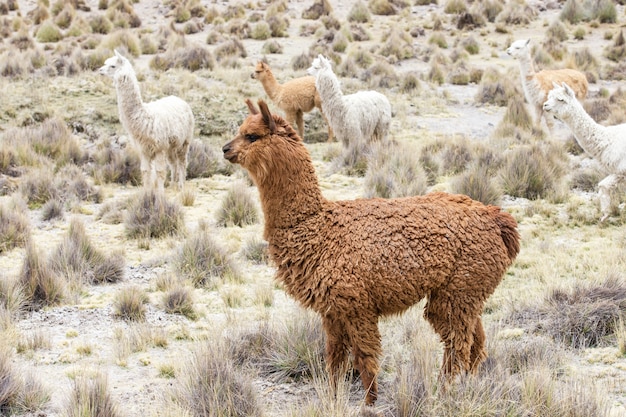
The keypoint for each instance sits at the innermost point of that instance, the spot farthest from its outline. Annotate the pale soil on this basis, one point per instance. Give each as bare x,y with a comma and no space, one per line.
582,253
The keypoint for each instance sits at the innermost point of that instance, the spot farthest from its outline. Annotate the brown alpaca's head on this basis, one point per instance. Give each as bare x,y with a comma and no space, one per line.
264,143
260,70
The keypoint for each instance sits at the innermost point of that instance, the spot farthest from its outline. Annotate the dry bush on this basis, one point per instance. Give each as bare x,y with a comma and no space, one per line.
210,385
238,207
394,172
122,14
261,31
152,215
20,393
90,396
516,12
398,46
38,187
192,58
51,210
533,171
496,88
382,7
617,51
380,75
557,31
455,7
48,32
272,46
477,183
14,225
255,249
583,316
41,285
318,9
359,13
283,351
203,160
123,40
230,48
78,260
115,165
586,179
130,303
204,261
572,12
179,300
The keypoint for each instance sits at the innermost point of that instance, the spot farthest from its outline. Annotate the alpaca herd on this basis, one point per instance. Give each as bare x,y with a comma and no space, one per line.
356,261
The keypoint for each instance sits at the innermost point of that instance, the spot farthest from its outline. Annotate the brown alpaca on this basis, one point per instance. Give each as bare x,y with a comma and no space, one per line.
295,97
354,261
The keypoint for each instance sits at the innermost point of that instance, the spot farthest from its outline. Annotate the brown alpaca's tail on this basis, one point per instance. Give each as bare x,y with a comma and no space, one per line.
508,232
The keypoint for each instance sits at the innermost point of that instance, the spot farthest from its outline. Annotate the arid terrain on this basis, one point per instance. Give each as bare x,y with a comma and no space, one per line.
556,325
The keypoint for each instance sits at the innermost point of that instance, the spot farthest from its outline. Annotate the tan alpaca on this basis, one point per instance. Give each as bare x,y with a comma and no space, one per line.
537,84
295,97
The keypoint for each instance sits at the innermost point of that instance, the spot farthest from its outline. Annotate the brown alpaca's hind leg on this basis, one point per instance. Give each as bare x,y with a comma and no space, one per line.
452,321
336,349
366,349
478,353
300,122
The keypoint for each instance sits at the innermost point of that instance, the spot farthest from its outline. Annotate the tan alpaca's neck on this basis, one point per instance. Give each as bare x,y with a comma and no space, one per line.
270,85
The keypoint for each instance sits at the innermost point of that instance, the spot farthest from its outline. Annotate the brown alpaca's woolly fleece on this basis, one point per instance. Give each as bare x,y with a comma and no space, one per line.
354,261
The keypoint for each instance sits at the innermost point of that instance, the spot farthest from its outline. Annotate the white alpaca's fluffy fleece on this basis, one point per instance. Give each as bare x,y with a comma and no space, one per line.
162,129
358,118
606,144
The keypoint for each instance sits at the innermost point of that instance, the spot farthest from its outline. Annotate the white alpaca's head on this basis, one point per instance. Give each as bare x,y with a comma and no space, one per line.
319,64
518,48
116,66
560,99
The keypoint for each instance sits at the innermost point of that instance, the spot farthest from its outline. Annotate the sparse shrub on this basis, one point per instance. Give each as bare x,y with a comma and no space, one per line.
203,161
382,7
130,303
586,179
77,259
11,298
65,17
188,196
192,58
278,26
261,31
114,165
471,45
179,300
123,39
52,209
438,39
230,48
41,285
477,183
20,393
100,24
496,88
255,250
37,187
455,7
272,46
237,208
204,261
409,83
516,12
14,225
572,12
532,172
579,33
301,62
210,385
456,155
604,11
318,9
359,13
393,173
398,46
48,32
557,31
90,396
152,215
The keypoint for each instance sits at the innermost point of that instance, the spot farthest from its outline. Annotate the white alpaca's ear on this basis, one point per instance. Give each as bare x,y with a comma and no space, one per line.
569,90
527,42
555,85
117,54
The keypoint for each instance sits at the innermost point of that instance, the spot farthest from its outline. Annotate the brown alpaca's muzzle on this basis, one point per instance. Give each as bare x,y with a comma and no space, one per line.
229,153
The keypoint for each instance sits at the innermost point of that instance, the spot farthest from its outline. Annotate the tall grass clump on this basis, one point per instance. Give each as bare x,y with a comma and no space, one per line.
42,286
151,215
48,32
394,172
203,261
210,385
478,184
20,393
130,303
532,171
238,207
255,250
359,13
77,259
585,315
115,165
11,296
14,225
572,12
192,58
179,300
496,88
90,396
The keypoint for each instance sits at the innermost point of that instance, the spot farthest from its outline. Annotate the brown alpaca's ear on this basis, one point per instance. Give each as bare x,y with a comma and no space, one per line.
253,110
267,116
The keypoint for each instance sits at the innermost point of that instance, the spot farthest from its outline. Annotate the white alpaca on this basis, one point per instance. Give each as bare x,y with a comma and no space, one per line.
358,118
537,85
607,144
162,129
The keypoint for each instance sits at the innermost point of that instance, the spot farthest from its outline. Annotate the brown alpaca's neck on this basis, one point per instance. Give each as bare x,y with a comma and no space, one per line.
270,85
289,189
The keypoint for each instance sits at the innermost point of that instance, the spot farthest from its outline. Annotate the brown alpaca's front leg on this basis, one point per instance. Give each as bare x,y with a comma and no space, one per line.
300,122
366,348
478,353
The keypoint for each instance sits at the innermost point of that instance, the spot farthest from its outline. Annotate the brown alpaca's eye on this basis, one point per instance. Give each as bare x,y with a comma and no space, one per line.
252,138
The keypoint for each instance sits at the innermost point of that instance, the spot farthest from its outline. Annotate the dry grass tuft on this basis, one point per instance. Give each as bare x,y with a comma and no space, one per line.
90,396
586,315
130,303
238,207
14,225
179,300
255,250
20,394
477,183
210,385
205,262
192,58
152,215
115,165
42,286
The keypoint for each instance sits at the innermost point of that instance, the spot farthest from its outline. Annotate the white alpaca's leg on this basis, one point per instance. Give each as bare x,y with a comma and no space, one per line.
605,186
147,178
160,170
